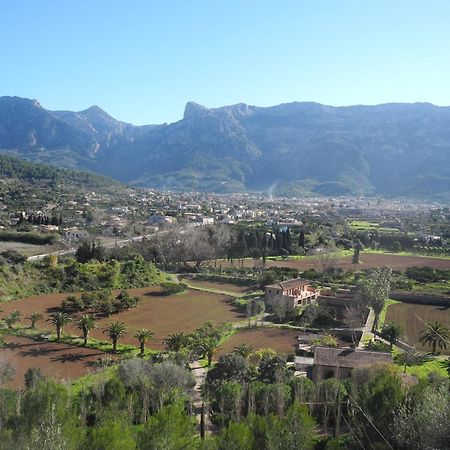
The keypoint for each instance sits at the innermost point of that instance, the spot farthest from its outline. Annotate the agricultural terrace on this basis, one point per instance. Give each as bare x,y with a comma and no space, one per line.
362,225
367,261
278,339
219,286
408,315
160,314
56,361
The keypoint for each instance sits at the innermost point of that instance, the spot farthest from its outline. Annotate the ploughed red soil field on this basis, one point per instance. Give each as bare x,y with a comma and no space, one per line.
278,339
160,314
367,261
409,316
57,361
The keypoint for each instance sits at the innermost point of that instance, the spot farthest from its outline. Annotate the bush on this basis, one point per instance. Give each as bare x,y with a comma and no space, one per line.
327,340
376,345
172,288
28,237
13,257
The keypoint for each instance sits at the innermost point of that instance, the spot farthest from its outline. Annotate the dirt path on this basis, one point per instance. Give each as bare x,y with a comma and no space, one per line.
367,329
200,377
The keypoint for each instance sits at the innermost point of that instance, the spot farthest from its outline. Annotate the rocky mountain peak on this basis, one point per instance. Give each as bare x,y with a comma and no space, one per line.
193,109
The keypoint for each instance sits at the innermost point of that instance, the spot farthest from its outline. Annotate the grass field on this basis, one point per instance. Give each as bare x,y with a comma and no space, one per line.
437,365
160,314
58,361
412,317
278,339
364,225
28,249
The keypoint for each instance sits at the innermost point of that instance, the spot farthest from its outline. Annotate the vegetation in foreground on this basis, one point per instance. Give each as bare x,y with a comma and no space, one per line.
251,401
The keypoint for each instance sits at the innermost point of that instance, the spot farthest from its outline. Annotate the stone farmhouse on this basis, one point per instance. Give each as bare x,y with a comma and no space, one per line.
340,362
292,293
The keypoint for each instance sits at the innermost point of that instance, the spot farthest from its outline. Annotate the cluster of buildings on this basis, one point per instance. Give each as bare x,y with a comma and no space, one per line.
315,361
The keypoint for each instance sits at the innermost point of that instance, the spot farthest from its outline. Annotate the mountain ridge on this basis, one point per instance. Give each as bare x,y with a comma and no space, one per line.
301,147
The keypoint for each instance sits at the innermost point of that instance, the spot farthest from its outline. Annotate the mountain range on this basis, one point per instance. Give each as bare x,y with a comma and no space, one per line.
395,149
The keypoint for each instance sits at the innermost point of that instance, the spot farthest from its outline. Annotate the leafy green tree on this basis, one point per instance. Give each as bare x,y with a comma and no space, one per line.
375,392
236,436
272,369
298,430
115,331
227,402
170,429
375,290
436,335
392,332
113,434
421,422
357,247
232,367
86,324
34,318
143,336
45,399
271,398
59,320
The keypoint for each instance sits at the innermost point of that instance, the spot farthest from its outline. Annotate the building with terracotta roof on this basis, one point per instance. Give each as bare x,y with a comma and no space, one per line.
340,362
292,293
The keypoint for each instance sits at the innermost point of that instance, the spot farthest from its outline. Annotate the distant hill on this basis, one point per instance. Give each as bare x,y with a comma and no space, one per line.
12,168
293,149
28,186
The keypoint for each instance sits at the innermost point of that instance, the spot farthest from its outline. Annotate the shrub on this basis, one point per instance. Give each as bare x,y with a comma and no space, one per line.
172,288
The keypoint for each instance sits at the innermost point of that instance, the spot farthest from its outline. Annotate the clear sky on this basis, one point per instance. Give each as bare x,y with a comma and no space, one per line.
142,60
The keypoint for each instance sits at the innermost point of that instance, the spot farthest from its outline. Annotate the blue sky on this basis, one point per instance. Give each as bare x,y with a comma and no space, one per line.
142,60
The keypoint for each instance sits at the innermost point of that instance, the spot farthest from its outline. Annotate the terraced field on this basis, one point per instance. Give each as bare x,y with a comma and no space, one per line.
412,317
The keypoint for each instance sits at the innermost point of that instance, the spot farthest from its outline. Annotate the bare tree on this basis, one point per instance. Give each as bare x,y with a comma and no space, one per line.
354,317
325,262
180,245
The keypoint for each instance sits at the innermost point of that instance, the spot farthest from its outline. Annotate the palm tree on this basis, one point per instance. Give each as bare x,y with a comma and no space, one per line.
12,318
143,336
435,335
244,350
392,332
86,324
176,341
115,330
59,319
35,317
208,347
